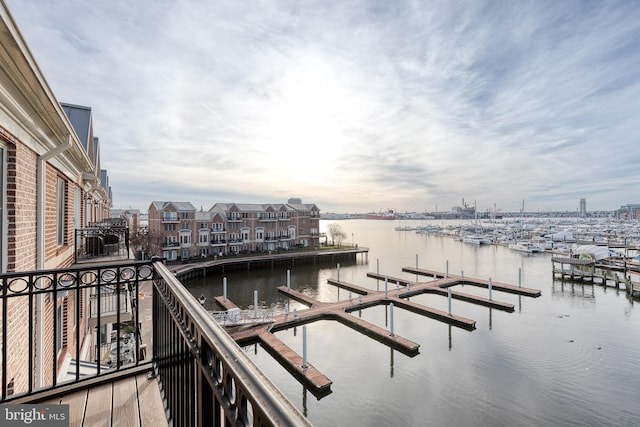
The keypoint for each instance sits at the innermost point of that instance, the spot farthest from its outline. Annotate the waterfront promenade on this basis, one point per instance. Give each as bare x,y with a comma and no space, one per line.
270,259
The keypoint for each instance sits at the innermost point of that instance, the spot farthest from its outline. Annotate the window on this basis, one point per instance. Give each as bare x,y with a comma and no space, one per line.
185,239
170,255
169,227
184,226
60,210
169,216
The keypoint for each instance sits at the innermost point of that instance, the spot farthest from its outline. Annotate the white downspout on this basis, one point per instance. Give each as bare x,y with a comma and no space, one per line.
40,264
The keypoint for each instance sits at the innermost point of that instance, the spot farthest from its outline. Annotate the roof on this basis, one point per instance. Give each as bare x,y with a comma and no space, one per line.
179,206
257,207
80,118
592,251
204,215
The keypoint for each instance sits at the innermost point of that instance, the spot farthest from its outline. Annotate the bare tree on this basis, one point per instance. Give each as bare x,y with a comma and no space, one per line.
336,233
149,243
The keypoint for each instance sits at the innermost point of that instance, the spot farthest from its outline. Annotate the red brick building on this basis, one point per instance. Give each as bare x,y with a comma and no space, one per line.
50,185
231,228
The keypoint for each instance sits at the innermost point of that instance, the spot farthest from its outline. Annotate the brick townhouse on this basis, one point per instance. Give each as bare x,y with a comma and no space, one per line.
232,228
50,185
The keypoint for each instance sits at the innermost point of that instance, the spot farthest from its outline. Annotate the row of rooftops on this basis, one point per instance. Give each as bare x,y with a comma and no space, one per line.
292,205
81,120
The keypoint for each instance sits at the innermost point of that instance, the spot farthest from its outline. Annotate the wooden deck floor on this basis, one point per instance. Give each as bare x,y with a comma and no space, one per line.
127,402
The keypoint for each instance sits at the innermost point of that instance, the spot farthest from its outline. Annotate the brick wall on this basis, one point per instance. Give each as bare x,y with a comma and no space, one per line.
18,350
21,208
21,204
21,254
58,255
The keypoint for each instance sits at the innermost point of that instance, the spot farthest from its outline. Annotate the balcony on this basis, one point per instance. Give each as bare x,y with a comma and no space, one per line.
170,245
172,359
234,219
267,219
101,242
170,220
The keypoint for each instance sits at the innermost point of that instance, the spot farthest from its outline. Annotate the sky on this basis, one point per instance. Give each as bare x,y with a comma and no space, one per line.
356,106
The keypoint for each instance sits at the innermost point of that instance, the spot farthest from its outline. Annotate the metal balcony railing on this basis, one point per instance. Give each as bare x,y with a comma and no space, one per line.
109,304
100,241
53,322
205,377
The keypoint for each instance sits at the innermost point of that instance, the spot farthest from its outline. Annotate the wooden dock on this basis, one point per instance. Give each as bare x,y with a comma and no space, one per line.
320,385
581,270
340,311
461,280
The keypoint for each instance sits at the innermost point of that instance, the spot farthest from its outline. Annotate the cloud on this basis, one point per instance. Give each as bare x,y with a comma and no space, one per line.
357,106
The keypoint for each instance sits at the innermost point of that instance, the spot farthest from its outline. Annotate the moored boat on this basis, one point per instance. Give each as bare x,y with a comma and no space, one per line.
525,246
476,239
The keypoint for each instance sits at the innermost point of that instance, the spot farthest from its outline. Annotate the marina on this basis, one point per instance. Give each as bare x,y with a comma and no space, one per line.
560,352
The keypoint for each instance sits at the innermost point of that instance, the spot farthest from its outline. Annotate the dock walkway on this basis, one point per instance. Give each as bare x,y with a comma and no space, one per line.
341,310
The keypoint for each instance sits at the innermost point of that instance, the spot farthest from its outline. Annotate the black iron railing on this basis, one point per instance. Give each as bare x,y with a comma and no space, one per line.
67,325
206,377
99,241
59,334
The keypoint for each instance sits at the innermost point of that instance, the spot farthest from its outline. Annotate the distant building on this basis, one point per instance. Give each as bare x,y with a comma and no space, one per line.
583,208
630,211
232,228
131,216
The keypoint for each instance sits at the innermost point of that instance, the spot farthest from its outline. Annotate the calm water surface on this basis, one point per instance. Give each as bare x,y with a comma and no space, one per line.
570,357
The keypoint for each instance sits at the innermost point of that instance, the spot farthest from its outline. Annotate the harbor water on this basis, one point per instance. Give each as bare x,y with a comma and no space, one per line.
568,358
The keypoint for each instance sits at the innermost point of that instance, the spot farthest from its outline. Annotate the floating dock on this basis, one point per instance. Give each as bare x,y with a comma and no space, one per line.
316,382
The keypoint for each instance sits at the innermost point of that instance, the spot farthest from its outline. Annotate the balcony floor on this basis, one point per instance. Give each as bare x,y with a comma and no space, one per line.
130,401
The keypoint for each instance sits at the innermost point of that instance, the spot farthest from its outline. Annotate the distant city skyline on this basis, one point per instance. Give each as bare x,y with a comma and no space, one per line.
357,106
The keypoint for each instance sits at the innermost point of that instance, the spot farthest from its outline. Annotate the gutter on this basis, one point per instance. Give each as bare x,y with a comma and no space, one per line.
40,261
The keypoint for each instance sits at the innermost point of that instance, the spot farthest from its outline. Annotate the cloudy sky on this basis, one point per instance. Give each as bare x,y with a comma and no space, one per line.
356,106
